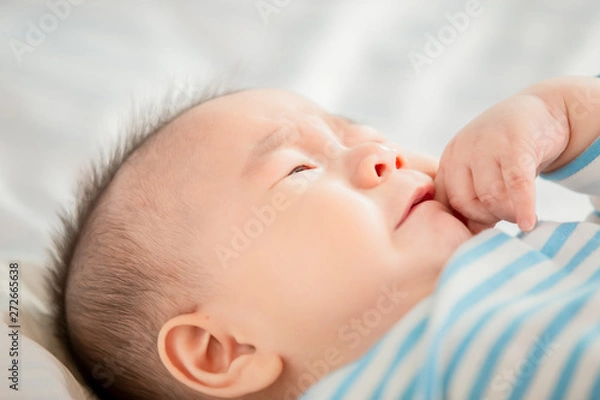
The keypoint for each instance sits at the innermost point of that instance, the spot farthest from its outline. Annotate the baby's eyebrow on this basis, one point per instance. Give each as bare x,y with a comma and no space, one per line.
268,144
274,140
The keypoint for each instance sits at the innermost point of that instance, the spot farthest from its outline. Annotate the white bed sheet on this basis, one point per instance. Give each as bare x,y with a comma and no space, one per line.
66,95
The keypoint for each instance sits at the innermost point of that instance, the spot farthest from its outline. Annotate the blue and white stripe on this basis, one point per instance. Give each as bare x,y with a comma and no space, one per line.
511,318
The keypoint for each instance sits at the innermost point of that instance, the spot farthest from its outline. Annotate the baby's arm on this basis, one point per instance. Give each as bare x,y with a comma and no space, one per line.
578,167
487,171
576,101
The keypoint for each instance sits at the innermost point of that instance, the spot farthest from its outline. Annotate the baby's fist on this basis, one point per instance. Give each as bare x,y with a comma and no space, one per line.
487,172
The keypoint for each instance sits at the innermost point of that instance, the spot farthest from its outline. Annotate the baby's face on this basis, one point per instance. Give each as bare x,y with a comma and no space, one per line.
305,219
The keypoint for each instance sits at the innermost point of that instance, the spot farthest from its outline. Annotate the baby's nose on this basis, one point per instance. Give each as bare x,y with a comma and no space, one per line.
374,161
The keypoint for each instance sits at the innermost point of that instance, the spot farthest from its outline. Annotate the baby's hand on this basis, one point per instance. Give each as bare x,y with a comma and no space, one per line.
488,169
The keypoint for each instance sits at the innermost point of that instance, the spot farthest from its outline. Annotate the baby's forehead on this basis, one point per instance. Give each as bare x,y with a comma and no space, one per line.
235,123
226,125
258,105
244,117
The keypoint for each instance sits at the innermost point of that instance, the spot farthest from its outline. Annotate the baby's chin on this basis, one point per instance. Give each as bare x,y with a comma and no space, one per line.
435,231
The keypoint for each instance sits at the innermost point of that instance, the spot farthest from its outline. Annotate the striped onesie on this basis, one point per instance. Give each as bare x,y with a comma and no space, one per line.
511,318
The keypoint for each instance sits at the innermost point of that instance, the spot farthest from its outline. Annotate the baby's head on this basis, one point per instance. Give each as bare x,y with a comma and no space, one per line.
245,248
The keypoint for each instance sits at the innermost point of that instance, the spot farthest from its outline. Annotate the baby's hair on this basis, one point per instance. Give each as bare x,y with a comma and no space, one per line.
112,277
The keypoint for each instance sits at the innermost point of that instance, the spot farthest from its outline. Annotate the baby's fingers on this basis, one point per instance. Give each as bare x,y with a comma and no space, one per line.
491,190
476,227
519,177
461,196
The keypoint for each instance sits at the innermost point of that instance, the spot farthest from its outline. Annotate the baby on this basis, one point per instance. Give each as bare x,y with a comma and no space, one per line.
254,246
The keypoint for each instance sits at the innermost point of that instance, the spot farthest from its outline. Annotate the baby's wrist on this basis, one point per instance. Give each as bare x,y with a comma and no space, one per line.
549,122
574,103
561,136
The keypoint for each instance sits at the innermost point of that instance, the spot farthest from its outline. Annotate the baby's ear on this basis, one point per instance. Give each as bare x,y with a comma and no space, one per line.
204,357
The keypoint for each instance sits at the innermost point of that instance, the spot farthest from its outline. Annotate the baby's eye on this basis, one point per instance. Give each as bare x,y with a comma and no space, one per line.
299,168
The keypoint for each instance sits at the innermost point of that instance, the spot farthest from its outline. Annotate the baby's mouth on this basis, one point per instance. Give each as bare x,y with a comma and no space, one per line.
421,195
428,196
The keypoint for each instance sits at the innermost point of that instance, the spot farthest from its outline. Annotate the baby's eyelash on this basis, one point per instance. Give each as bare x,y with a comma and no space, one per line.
299,169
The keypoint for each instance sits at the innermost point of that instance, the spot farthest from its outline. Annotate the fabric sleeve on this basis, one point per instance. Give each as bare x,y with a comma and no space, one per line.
582,175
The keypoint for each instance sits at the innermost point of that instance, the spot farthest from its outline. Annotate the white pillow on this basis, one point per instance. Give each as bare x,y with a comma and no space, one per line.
41,375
